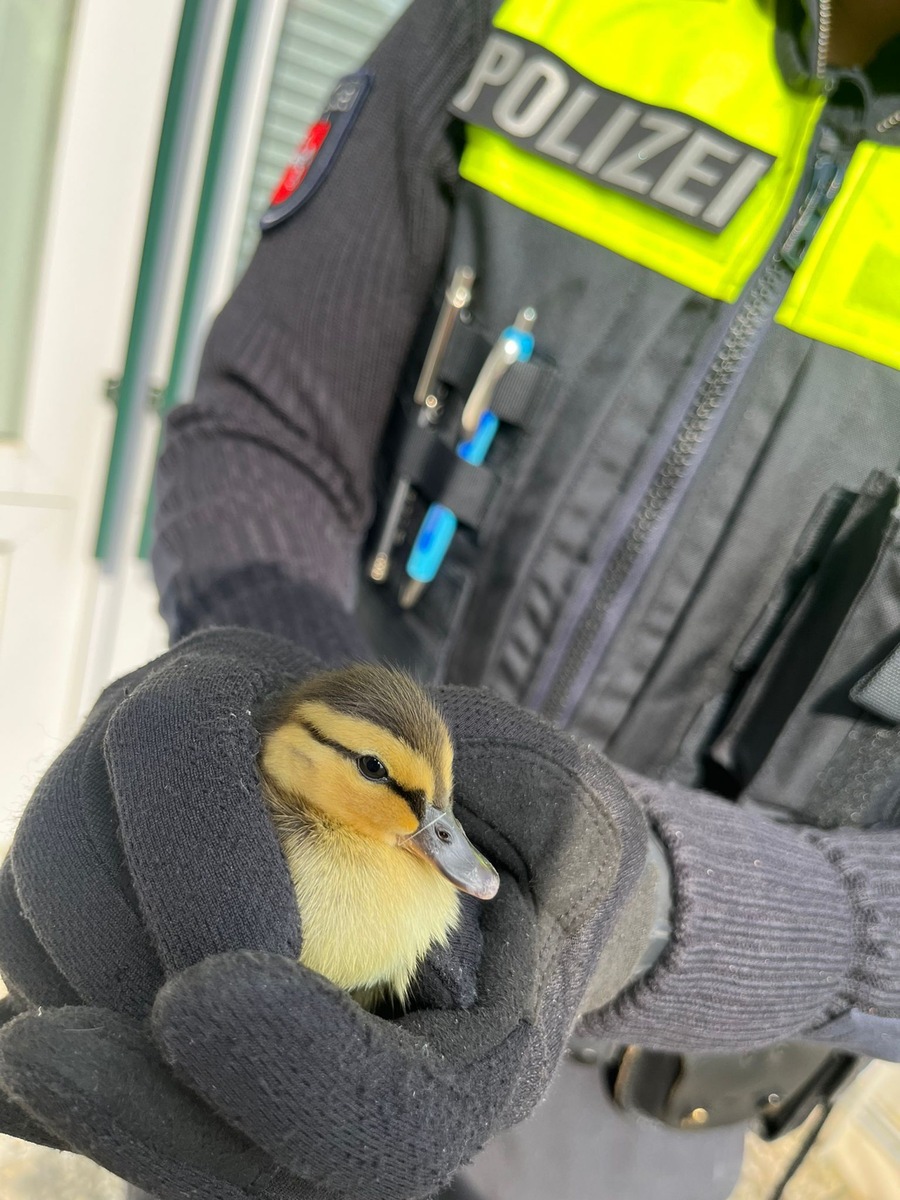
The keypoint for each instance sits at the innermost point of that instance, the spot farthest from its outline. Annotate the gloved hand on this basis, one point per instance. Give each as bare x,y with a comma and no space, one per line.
150,880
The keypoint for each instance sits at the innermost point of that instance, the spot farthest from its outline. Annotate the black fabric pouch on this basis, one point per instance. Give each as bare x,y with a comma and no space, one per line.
817,727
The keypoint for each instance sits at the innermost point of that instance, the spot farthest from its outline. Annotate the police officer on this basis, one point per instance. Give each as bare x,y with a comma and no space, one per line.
566,366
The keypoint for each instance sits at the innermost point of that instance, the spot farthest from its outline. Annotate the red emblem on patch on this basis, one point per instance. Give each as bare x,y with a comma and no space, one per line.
303,160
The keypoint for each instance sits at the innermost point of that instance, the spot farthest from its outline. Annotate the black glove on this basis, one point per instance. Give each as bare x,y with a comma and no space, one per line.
148,874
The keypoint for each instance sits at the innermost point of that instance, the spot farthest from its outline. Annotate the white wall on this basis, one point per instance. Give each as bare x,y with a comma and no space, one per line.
52,477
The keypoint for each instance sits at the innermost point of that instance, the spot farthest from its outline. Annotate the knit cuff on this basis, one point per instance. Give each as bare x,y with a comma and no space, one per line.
263,597
868,865
762,939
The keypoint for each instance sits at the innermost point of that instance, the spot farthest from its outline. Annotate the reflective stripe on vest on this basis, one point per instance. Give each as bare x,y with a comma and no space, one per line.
665,132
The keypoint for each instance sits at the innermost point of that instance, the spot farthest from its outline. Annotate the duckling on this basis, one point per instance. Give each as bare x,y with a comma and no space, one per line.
357,772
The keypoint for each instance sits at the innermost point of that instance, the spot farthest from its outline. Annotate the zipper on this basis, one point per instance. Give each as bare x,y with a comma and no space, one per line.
823,38
599,607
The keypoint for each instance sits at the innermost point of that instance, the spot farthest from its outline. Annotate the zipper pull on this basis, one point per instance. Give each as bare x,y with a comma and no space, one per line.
828,175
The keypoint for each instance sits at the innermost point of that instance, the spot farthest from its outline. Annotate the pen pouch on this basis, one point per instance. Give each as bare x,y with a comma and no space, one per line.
423,639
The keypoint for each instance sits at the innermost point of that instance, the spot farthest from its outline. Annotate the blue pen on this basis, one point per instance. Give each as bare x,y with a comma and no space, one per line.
515,344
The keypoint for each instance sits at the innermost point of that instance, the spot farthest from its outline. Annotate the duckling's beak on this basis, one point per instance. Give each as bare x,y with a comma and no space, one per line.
440,839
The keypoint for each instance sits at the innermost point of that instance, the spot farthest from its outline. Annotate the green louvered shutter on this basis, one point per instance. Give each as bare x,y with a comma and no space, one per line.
320,41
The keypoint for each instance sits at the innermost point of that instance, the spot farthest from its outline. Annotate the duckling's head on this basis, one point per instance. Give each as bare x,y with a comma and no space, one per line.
364,749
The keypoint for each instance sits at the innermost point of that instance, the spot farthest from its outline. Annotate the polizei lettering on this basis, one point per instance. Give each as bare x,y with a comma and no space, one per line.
665,158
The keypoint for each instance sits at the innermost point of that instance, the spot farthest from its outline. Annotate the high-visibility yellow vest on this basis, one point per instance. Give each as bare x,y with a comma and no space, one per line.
665,131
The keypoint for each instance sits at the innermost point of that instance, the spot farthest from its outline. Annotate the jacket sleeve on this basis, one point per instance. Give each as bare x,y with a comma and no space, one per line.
264,487
780,933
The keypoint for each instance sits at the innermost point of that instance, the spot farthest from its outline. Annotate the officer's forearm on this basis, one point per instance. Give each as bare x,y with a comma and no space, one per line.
270,471
778,933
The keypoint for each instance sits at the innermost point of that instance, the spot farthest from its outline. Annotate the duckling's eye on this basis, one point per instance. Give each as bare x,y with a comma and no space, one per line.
371,767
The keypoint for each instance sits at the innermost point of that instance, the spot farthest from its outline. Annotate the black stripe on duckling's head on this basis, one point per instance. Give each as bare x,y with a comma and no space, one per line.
393,700
384,698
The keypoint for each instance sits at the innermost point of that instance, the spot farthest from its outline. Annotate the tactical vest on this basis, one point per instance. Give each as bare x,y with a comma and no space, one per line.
683,543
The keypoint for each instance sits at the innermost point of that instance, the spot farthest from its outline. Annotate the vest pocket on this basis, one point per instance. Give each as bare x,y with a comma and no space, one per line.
812,731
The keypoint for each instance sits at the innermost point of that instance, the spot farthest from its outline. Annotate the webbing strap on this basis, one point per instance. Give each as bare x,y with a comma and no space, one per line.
519,393
444,478
520,390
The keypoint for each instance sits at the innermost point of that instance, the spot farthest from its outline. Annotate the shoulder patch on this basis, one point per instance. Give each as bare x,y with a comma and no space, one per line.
318,151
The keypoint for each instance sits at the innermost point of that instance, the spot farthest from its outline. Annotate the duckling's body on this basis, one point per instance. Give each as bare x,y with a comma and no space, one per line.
357,771
369,914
